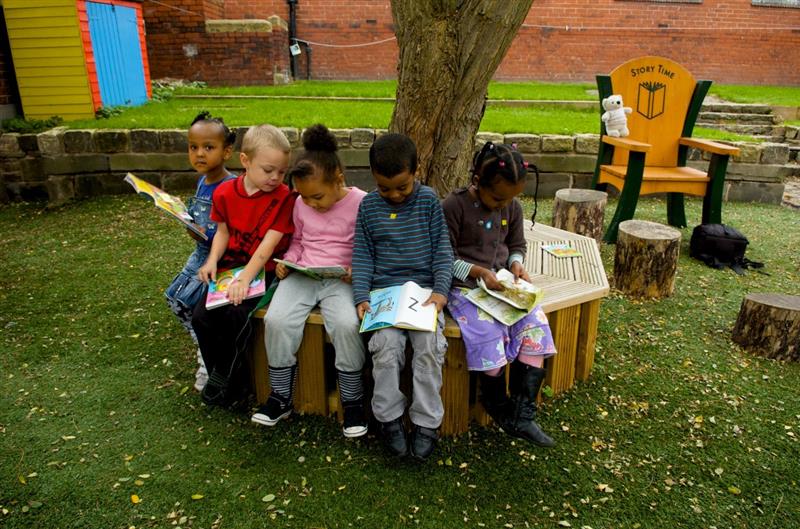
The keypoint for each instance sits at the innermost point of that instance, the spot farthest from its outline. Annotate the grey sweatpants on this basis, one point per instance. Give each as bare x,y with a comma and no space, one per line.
388,348
286,319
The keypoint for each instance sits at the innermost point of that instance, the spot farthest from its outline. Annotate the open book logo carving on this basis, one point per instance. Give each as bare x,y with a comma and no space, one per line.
650,99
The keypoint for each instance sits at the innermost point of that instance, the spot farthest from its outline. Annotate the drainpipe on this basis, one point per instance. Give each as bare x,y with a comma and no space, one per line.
292,34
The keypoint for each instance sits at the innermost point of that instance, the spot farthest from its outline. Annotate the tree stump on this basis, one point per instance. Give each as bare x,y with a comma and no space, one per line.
646,259
580,211
769,325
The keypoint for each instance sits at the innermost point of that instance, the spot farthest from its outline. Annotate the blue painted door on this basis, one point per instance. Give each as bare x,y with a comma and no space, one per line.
117,54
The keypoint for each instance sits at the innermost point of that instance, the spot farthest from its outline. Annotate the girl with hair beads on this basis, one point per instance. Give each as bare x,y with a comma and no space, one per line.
486,231
210,146
324,228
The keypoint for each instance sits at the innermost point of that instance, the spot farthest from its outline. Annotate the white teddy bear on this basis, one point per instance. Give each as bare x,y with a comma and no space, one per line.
614,116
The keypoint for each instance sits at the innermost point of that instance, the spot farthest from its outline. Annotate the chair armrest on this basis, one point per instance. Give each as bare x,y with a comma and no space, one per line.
625,143
709,146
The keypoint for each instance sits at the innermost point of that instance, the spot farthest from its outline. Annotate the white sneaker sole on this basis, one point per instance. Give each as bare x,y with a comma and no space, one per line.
354,431
260,418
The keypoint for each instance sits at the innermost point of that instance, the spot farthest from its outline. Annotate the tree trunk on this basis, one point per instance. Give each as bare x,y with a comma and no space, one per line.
769,325
580,211
449,51
646,259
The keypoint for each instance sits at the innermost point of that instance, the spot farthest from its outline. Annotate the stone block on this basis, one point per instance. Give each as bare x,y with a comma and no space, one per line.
587,143
582,181
240,132
792,133
33,169
748,152
362,138
91,185
77,141
238,26
293,135
75,163
361,178
695,155
111,140
145,140
173,141
60,189
29,191
526,143
149,162
50,142
179,182
352,158
4,197
11,169
564,163
557,143
774,153
342,137
747,191
29,143
483,137
549,183
751,171
9,145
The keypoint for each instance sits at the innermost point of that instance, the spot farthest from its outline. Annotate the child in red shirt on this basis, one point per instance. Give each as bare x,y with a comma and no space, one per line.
254,222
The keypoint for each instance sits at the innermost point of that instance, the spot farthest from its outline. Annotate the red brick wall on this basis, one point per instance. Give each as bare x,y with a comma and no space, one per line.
179,47
728,41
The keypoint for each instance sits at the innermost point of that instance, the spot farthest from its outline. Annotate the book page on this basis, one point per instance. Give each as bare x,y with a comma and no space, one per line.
383,309
411,313
499,310
218,290
520,294
173,205
316,272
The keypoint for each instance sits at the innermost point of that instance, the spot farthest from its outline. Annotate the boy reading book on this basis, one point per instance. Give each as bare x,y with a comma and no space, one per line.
401,236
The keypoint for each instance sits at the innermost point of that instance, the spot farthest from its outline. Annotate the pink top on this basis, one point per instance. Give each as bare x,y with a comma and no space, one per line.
325,239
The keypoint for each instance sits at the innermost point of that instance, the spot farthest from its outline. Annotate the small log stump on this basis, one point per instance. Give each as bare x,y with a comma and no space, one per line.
769,325
646,259
580,211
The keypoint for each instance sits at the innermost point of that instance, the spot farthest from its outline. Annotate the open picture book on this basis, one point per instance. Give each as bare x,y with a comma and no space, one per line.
510,305
400,306
173,205
315,272
218,290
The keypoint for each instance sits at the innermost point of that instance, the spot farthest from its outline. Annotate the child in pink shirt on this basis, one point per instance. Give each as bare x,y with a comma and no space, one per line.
324,223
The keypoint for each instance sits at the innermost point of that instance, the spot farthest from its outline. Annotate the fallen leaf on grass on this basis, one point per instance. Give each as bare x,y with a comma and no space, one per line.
268,498
734,490
197,496
135,499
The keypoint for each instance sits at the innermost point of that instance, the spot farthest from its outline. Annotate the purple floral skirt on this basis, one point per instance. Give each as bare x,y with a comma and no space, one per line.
491,344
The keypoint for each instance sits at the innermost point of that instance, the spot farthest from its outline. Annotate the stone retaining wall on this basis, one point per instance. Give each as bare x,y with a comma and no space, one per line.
60,164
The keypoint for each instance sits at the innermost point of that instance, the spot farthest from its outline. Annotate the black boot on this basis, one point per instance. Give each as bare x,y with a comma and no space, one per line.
525,384
495,400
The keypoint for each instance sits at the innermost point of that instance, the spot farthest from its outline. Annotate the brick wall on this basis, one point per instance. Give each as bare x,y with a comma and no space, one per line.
727,41
178,46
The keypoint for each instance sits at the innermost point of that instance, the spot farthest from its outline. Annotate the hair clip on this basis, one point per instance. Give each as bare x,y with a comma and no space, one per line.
501,163
514,146
524,164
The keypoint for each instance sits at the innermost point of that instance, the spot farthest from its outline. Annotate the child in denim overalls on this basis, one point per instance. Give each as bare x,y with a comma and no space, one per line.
210,146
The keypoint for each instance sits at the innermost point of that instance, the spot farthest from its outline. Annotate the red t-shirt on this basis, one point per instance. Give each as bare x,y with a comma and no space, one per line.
248,218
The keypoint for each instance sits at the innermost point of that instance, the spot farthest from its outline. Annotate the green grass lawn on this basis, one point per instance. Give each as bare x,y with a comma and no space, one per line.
676,425
769,95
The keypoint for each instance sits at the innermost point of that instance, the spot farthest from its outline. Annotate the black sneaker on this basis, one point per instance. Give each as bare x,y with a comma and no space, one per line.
355,424
394,435
423,441
215,391
273,411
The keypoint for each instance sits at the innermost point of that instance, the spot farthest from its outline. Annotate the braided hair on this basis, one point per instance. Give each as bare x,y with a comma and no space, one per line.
229,137
502,161
320,150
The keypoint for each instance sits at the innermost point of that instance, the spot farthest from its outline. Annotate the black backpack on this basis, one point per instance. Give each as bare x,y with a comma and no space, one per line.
720,246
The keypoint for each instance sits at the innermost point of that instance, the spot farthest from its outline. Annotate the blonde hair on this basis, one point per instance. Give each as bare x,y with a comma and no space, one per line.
264,136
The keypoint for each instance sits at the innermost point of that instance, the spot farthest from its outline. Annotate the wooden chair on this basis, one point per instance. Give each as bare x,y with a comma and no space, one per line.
665,100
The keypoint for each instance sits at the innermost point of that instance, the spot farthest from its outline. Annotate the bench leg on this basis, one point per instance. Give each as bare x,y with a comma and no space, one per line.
564,324
587,338
311,396
455,389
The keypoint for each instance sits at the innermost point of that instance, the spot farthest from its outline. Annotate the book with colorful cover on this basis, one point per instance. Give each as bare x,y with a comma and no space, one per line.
561,250
509,305
400,306
218,290
316,272
173,205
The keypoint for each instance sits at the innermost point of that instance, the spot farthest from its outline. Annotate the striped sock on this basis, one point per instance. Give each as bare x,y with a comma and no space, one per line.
282,380
351,386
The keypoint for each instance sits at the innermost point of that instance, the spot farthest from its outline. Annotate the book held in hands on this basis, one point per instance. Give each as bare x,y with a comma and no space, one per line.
509,305
173,205
316,272
400,306
218,290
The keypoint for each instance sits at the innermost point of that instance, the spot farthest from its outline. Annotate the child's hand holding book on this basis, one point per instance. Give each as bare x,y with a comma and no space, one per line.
519,272
437,299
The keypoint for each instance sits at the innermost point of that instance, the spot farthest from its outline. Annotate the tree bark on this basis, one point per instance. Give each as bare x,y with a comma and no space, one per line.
449,51
646,259
580,211
769,325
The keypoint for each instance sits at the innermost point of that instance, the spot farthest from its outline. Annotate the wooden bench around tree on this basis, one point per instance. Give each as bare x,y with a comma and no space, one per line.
665,100
573,288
